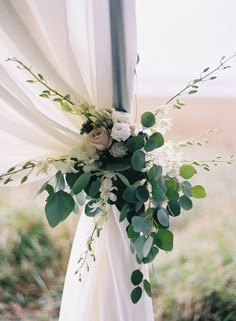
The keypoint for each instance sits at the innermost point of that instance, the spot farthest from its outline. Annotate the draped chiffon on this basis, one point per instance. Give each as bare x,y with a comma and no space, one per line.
69,43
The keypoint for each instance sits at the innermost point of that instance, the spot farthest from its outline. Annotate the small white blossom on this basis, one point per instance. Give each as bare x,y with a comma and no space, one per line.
106,190
120,132
118,149
164,125
121,117
65,166
85,152
169,159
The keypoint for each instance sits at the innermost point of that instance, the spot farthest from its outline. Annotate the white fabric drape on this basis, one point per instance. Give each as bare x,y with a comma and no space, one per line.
68,41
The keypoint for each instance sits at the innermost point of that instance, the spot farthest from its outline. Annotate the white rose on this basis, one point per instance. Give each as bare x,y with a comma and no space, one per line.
118,149
121,117
120,132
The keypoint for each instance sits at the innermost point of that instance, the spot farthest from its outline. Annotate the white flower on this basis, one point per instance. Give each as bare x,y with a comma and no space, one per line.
120,132
43,167
85,152
164,125
121,117
106,190
169,159
118,149
65,166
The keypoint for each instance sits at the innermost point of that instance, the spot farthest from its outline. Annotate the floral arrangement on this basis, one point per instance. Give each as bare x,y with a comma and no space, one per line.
123,164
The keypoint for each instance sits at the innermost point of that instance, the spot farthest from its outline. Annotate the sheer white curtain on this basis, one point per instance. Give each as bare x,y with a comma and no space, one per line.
69,42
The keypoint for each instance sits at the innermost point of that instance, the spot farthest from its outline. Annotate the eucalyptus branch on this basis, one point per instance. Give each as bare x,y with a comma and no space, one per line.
205,164
39,78
204,76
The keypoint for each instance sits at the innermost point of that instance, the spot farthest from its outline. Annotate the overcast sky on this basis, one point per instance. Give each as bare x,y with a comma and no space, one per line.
177,39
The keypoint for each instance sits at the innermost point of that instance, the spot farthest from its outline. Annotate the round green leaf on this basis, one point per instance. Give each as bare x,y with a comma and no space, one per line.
158,194
147,246
172,195
148,119
81,183
134,143
139,243
185,202
138,160
164,240
147,288
173,208
136,294
94,188
142,194
142,225
163,217
198,191
131,233
59,206
186,188
129,194
156,140
187,171
124,212
154,174
151,255
136,277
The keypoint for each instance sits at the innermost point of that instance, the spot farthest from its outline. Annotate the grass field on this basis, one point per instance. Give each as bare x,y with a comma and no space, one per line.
194,282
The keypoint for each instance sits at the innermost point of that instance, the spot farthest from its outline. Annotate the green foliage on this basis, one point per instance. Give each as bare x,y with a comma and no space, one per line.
164,240
187,171
198,191
134,143
138,160
129,194
155,141
136,277
136,294
59,205
148,119
186,203
147,287
81,183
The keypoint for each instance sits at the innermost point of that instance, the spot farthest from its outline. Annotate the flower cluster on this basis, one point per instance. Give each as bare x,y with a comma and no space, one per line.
122,164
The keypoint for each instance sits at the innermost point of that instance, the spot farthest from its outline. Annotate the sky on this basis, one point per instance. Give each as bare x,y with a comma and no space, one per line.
177,39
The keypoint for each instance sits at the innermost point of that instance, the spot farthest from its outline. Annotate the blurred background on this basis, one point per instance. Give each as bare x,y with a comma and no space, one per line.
197,280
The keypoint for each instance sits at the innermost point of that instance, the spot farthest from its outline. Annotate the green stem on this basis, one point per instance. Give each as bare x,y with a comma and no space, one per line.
200,79
39,79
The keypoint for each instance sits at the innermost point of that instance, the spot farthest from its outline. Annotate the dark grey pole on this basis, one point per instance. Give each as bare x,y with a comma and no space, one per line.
118,51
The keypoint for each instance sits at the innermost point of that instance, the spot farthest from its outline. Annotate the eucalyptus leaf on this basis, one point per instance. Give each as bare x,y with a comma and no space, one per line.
163,217
173,208
185,202
187,171
164,240
94,188
148,119
154,173
134,143
59,205
139,243
186,188
147,246
123,212
136,294
156,140
142,194
158,194
138,160
81,183
198,191
147,287
136,277
142,224
129,194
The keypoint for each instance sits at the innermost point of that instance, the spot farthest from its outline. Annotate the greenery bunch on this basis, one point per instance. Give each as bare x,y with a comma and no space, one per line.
125,172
